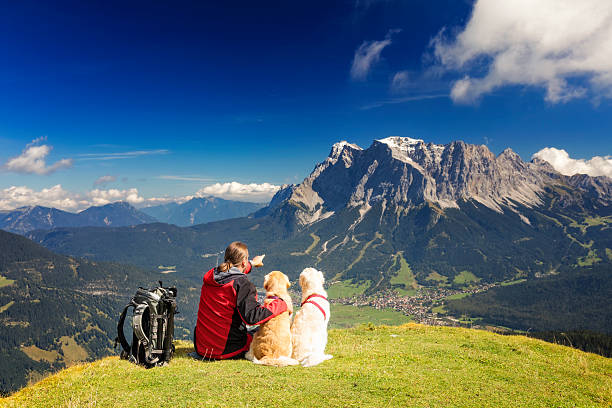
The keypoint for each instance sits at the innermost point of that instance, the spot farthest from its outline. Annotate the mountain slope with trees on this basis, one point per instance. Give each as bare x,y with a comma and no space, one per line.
56,311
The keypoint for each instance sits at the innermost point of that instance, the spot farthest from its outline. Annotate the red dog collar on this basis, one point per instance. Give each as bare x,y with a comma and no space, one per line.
316,304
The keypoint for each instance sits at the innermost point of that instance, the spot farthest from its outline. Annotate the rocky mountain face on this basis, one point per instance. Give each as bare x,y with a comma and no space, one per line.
200,210
404,172
25,219
400,214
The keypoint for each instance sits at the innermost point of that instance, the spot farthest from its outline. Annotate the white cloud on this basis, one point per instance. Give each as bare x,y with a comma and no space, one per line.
121,155
149,202
563,46
403,99
564,164
105,180
32,160
367,55
240,192
20,196
400,81
56,197
103,197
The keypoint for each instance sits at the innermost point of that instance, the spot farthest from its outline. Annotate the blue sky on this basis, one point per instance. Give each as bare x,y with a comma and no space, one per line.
169,98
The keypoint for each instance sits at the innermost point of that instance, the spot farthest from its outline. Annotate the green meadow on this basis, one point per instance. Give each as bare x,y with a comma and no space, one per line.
373,366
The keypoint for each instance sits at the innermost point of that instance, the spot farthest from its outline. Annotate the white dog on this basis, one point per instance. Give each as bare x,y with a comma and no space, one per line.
309,328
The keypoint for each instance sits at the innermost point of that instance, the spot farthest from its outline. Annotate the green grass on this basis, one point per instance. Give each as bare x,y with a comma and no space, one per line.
439,309
407,366
345,316
436,277
590,222
590,259
556,221
5,307
404,277
457,296
609,253
465,278
5,281
347,289
377,235
315,242
514,282
38,354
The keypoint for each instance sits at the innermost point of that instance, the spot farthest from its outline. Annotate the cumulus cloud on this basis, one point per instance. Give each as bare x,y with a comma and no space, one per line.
21,196
240,192
103,180
367,55
57,197
562,46
103,197
165,200
564,164
33,159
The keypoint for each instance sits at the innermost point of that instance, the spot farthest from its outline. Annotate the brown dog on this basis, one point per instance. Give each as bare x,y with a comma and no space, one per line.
271,344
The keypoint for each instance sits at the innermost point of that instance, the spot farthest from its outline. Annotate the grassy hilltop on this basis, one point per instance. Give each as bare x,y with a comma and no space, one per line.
409,365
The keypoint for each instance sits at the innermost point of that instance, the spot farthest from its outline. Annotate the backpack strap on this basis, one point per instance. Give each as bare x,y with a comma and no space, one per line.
138,330
168,347
120,335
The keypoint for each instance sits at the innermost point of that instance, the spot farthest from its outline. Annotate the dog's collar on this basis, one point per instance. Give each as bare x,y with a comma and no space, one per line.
272,297
316,304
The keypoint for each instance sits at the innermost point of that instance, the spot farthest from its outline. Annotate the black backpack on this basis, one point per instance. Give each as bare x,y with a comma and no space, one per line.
153,327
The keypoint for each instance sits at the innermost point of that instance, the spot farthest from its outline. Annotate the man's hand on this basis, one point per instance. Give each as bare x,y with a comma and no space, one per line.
258,261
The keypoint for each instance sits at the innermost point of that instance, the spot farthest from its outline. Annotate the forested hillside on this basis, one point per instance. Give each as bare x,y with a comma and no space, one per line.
57,310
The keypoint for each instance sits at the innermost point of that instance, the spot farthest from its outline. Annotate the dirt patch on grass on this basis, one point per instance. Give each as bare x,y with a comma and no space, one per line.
73,353
38,354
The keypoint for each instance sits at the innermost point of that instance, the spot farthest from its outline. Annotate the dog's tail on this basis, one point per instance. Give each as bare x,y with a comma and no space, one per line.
312,360
281,361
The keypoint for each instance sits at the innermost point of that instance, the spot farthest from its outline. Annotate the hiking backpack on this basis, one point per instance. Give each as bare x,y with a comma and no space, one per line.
153,327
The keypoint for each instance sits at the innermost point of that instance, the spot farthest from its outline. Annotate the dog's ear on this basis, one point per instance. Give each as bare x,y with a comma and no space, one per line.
266,281
302,280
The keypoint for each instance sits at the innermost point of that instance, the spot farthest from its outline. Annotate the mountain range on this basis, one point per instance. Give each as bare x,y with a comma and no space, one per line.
454,214
402,216
200,210
24,219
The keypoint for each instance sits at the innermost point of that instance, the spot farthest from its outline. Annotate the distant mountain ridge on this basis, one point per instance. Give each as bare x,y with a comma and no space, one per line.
25,219
200,210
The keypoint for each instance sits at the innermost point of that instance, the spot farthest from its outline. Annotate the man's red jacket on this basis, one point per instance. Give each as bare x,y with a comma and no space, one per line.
228,302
